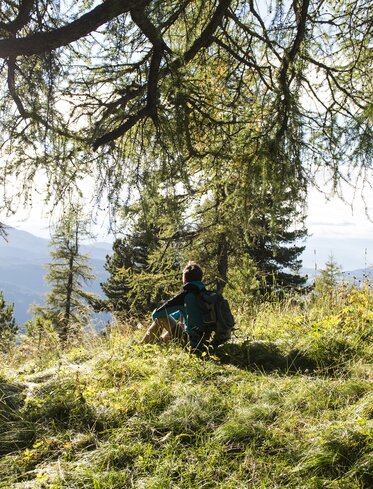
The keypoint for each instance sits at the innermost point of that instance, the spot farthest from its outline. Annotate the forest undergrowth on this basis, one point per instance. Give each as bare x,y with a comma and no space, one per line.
288,403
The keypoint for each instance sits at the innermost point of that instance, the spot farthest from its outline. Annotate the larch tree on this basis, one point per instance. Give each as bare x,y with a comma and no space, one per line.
67,302
229,99
123,76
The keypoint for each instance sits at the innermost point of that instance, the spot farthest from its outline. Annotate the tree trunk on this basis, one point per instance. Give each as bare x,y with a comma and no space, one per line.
222,262
69,292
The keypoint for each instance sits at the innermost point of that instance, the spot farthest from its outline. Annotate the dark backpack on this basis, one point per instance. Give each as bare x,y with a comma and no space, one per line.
217,315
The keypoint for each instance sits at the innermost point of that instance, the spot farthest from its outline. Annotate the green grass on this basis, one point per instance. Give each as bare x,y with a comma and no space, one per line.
288,404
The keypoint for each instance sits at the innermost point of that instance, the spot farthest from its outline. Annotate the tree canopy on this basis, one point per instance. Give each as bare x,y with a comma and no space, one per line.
114,88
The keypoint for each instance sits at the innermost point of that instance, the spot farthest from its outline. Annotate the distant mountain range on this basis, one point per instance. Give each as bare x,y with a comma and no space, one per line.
356,277
23,258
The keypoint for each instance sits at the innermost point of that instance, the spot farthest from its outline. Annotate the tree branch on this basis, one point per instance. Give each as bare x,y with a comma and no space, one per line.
122,129
89,22
21,109
159,46
288,58
22,18
205,39
143,22
12,87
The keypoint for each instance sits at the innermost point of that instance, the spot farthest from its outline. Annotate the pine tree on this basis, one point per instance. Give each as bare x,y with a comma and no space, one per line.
329,276
67,303
274,246
129,258
8,326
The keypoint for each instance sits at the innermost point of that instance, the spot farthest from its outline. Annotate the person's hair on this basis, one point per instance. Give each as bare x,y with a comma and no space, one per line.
192,272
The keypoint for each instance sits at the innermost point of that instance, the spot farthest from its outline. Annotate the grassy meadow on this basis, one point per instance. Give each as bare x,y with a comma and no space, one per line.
287,404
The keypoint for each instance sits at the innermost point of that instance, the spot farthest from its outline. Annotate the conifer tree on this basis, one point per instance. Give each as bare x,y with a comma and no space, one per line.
296,76
129,258
8,326
275,245
146,264
67,303
114,288
241,225
329,276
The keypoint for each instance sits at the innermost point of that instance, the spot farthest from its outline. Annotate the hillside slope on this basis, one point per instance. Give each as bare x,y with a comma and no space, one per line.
288,404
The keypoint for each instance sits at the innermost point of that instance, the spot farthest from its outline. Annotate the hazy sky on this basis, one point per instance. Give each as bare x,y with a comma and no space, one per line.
337,219
339,229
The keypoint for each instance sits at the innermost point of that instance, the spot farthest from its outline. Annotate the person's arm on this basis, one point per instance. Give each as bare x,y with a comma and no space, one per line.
174,305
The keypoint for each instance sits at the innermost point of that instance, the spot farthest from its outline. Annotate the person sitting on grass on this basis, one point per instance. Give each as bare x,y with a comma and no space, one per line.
180,318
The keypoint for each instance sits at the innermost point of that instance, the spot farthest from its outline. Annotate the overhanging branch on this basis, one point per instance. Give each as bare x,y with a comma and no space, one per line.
122,129
203,41
89,22
22,18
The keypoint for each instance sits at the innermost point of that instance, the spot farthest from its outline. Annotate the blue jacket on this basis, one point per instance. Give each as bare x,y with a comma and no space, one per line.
186,305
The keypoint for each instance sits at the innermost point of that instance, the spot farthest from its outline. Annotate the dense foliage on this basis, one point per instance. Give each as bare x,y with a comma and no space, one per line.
274,90
218,104
211,224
